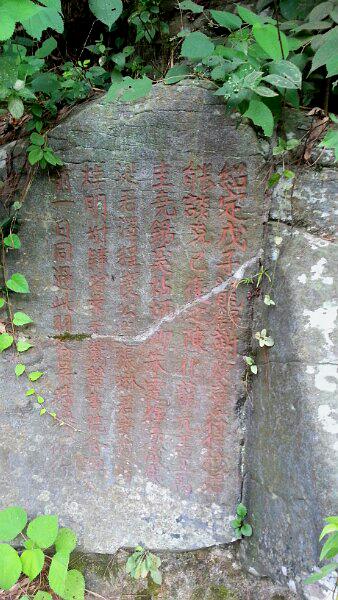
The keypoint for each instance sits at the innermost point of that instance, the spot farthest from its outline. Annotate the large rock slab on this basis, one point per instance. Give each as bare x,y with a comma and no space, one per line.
132,253
291,471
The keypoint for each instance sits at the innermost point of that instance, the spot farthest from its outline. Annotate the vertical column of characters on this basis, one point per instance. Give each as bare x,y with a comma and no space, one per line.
198,184
127,376
232,241
62,306
161,239
95,206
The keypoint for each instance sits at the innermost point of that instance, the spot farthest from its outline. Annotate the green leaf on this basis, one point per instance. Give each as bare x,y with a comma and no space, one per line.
32,562
322,573
58,573
42,596
7,24
333,519
241,510
46,16
326,53
107,11
197,46
192,6
19,369
43,411
10,566
226,19
18,283
236,523
43,530
135,88
35,155
20,318
6,341
47,47
261,115
176,73
156,576
75,586
246,530
248,16
2,302
288,74
267,38
40,399
37,139
16,107
23,345
12,241
30,392
331,141
65,541
12,521
328,529
330,548
35,375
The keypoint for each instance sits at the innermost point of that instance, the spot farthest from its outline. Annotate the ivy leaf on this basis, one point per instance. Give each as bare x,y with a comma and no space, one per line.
267,38
74,586
135,88
20,318
176,73
37,139
226,19
10,566
32,562
330,548
2,302
327,55
65,541
284,74
107,11
58,573
16,107
18,283
12,521
23,346
19,369
43,530
192,6
30,392
40,400
197,46
261,115
12,241
156,576
6,341
35,375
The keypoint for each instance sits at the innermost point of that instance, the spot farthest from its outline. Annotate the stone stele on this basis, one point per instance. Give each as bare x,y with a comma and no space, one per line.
132,253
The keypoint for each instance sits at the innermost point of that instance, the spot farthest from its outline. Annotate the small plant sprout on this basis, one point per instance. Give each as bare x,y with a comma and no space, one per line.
268,300
142,564
264,339
241,528
251,364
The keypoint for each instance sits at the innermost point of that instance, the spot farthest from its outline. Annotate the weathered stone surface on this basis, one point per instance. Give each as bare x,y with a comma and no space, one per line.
291,446
130,254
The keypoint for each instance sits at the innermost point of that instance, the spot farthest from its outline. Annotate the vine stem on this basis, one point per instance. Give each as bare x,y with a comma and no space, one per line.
4,272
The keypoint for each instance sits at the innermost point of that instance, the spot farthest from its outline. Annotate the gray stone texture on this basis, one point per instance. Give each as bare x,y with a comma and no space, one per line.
126,252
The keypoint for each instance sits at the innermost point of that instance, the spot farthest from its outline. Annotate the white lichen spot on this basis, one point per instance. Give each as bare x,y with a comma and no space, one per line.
284,571
44,496
323,319
310,369
324,378
292,586
317,271
302,278
328,422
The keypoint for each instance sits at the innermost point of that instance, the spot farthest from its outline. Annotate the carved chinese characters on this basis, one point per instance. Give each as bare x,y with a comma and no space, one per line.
143,328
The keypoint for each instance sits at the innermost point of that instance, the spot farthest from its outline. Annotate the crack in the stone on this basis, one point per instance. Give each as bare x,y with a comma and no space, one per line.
218,289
